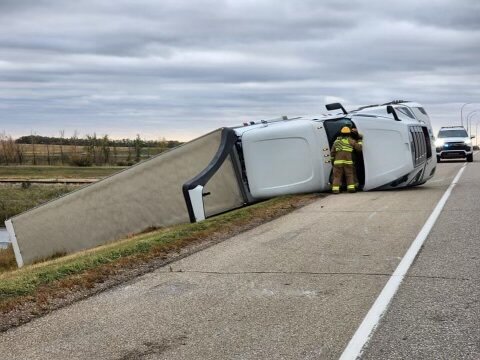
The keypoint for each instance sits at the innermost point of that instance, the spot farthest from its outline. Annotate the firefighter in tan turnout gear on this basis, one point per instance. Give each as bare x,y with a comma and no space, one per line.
342,160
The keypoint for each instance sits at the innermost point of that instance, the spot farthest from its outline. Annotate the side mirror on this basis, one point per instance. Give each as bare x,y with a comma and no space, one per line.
391,110
336,106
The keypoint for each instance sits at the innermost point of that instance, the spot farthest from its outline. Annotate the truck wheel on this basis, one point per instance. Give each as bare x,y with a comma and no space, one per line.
439,159
470,158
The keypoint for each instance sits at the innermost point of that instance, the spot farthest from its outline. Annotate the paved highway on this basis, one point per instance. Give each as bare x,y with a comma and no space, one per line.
295,288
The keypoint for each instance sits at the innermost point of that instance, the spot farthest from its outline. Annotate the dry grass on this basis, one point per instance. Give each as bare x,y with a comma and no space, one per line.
55,150
7,260
35,288
51,154
56,172
15,199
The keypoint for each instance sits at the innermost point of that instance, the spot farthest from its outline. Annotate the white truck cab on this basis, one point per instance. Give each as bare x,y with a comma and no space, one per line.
288,156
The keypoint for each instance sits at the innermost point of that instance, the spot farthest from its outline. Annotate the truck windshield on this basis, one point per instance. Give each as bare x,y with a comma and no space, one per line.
452,133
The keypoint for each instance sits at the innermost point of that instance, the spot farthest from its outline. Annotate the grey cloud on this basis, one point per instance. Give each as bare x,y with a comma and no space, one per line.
181,67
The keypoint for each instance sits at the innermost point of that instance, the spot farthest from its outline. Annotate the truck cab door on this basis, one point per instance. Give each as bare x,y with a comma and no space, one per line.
386,150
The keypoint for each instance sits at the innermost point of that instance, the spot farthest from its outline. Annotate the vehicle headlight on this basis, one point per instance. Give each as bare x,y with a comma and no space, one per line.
439,142
468,141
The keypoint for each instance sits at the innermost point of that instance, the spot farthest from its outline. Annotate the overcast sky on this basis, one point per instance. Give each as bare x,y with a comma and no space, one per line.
178,69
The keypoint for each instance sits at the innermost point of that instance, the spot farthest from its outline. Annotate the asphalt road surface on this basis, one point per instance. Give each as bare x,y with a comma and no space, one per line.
295,288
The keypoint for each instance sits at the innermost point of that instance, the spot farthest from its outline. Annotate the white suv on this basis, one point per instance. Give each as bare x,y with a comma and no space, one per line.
453,143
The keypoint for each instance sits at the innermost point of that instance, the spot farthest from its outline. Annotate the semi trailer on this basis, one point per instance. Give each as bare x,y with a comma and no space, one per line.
226,169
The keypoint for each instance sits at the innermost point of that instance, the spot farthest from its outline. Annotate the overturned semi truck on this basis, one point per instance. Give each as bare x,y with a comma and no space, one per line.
226,169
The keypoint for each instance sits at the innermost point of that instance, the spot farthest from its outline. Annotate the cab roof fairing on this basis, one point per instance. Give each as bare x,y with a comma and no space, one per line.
381,111
240,130
376,111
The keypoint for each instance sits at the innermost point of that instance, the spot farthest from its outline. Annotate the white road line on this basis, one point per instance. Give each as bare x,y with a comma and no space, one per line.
365,330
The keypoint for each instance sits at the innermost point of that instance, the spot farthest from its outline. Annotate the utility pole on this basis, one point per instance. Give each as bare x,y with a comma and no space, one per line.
470,115
476,133
461,112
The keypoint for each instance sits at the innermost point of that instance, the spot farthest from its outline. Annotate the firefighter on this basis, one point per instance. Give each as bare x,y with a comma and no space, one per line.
341,156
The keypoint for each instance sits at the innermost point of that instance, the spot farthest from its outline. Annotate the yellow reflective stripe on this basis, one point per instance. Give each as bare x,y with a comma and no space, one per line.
335,187
351,187
343,162
344,148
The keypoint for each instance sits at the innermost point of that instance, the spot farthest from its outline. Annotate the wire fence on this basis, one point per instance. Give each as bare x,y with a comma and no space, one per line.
12,153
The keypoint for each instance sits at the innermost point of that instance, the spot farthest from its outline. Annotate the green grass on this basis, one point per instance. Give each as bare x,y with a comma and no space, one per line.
54,172
15,199
85,268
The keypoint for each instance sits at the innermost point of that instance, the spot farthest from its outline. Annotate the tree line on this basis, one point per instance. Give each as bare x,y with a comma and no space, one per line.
86,141
78,151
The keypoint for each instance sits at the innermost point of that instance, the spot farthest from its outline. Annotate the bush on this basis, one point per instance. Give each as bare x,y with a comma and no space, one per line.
81,161
124,163
26,185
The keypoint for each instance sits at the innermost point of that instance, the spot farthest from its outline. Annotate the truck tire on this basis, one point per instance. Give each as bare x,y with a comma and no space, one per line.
439,159
470,158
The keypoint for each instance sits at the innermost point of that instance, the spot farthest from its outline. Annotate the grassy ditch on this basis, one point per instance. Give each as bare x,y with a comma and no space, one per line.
16,198
54,172
7,260
42,283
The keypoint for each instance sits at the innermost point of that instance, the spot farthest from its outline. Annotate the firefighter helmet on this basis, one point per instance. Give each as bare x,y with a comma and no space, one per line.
345,130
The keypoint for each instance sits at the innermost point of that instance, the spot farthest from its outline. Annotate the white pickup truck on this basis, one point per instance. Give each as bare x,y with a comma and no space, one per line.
288,156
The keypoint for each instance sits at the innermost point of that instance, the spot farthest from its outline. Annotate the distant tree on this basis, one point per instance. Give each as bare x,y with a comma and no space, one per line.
32,138
48,154
91,148
10,151
115,153
138,148
105,149
74,140
173,143
98,150
20,153
4,148
62,138
129,157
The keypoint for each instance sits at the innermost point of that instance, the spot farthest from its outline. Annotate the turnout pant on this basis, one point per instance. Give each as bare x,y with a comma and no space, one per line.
338,172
